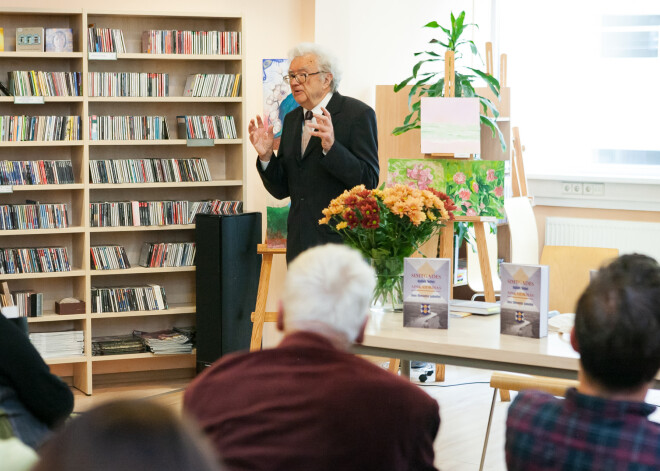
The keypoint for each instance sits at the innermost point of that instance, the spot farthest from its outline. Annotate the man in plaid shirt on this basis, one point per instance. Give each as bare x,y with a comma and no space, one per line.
602,425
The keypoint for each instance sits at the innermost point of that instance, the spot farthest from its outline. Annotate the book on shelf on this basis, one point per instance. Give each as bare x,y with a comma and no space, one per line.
212,85
105,39
33,216
29,302
128,298
30,39
524,300
34,260
426,292
36,172
128,128
164,342
108,257
117,345
59,344
207,127
128,84
59,40
117,171
6,298
2,39
191,42
167,254
5,91
40,128
40,83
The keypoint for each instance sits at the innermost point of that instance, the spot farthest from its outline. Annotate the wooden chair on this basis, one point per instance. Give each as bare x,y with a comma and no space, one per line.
512,382
569,272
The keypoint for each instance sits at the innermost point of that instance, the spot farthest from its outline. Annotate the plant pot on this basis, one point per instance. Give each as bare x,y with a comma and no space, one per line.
388,293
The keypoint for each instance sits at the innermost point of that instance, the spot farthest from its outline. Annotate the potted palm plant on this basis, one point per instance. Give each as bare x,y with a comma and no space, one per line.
427,81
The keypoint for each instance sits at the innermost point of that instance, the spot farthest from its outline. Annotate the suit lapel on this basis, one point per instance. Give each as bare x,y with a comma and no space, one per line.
297,133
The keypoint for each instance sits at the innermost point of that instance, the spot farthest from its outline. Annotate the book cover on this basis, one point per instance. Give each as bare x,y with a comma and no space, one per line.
30,39
426,293
59,40
524,300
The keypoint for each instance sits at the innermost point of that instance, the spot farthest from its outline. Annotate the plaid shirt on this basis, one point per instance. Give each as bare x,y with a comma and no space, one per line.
580,433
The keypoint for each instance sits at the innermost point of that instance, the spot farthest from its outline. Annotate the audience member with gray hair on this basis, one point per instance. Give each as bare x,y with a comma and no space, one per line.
329,144
309,403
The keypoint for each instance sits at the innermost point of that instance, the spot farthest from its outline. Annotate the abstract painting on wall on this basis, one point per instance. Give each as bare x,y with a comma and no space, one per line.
278,100
476,186
450,126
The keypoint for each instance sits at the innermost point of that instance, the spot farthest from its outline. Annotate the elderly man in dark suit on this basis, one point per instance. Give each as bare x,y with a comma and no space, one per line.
329,144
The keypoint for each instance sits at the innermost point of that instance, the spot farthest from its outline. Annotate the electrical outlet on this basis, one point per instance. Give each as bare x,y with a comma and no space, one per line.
566,188
588,189
576,188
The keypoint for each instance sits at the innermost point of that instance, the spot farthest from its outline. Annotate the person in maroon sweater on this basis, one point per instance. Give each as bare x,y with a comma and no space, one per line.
309,404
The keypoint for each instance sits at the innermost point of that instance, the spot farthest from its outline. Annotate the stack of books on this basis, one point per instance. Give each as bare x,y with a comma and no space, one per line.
117,345
166,342
58,344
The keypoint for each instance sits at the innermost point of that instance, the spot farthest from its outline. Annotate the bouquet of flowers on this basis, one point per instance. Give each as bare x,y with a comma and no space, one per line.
387,225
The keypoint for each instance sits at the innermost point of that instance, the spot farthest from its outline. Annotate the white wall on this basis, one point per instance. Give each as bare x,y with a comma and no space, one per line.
375,39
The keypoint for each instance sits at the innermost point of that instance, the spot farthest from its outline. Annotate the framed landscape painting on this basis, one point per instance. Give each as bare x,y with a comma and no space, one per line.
450,126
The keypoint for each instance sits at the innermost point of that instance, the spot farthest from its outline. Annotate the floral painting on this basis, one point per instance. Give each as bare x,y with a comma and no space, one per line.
278,100
476,186
450,126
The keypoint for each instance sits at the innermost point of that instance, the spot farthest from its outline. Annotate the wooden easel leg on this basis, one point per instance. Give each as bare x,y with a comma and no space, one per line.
505,395
484,261
394,365
262,296
439,372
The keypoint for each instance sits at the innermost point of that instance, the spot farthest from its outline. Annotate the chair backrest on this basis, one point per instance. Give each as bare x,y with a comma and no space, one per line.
569,272
513,382
523,229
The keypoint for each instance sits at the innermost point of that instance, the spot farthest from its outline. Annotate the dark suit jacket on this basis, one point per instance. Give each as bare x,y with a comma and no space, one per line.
313,180
307,406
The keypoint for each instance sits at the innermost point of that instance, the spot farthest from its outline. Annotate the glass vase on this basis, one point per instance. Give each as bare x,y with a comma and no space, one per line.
388,293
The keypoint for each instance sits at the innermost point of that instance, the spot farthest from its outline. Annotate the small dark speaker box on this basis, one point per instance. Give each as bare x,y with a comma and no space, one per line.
227,277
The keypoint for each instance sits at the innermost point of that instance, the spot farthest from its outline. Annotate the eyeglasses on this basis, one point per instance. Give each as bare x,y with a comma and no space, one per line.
300,78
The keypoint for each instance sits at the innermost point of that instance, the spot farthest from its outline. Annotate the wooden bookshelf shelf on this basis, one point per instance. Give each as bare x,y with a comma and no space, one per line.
52,317
140,270
135,356
172,227
121,186
172,311
54,274
226,162
65,230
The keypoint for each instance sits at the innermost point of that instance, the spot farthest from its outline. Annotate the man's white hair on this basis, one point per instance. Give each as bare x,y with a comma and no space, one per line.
331,285
326,61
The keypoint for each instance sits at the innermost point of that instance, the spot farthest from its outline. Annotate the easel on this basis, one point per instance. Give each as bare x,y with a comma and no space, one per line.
259,316
446,243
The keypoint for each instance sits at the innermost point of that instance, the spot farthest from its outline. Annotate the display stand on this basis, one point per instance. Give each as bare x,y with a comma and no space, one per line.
259,316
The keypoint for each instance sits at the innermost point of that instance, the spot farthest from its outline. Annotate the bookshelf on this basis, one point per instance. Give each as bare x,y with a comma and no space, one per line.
225,157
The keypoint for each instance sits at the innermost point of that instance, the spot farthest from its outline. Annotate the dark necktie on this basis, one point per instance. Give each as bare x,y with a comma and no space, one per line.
305,135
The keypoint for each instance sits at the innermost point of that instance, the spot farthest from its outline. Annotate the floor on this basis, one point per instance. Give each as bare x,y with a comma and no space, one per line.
463,410
464,397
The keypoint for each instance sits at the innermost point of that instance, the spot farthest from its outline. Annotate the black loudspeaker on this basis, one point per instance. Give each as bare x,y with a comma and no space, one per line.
227,278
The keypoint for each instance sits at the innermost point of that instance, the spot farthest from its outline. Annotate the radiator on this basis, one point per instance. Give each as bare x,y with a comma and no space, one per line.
627,236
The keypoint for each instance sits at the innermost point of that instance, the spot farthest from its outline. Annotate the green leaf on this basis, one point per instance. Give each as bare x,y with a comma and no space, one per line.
437,41
490,122
491,81
401,129
415,87
399,86
432,24
430,53
416,68
489,105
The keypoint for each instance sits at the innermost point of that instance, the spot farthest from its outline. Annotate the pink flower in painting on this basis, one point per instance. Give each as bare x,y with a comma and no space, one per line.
475,187
470,212
392,178
459,178
490,175
482,206
499,191
421,174
464,194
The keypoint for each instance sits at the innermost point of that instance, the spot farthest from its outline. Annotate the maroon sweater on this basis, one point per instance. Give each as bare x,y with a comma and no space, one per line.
307,406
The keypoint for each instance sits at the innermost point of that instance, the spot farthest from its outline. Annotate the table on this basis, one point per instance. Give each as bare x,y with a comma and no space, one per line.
473,341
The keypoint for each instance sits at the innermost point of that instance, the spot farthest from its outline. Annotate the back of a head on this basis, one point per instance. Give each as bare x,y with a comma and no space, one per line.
325,59
617,323
127,435
330,285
